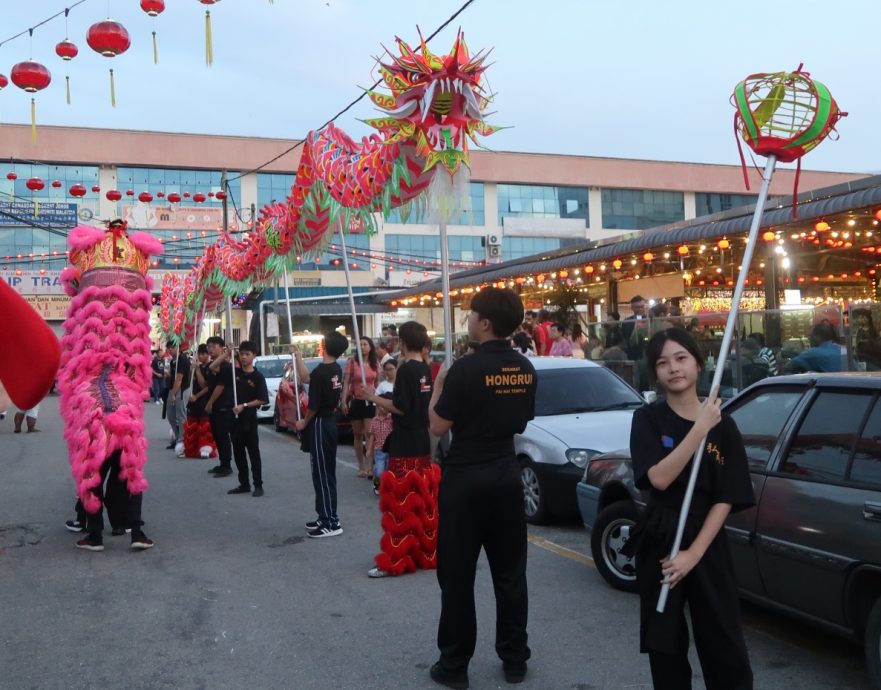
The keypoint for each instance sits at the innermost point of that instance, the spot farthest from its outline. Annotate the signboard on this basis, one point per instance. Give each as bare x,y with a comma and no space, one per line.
173,217
34,282
50,307
17,213
403,279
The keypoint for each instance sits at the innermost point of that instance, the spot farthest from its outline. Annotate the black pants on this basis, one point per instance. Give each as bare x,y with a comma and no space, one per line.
221,425
481,505
323,439
714,605
244,438
126,506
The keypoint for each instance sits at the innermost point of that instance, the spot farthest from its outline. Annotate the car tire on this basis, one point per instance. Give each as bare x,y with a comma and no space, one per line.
609,534
276,420
873,644
534,505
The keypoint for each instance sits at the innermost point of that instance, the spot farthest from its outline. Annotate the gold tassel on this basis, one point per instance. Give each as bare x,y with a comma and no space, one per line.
209,52
34,125
67,80
36,207
112,90
155,50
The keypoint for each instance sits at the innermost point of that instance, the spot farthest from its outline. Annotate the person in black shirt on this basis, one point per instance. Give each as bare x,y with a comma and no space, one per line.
663,439
198,441
157,369
251,393
408,544
484,399
325,388
219,405
179,394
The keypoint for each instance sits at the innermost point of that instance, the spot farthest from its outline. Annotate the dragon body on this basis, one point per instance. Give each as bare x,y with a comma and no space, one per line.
435,106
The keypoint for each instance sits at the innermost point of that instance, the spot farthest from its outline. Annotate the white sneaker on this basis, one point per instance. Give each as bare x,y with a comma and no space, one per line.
376,572
179,450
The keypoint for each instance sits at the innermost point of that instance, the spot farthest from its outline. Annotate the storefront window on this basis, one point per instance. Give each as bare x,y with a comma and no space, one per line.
538,201
715,203
427,247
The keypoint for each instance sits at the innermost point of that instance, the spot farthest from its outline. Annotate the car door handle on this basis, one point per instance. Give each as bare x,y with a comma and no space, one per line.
872,510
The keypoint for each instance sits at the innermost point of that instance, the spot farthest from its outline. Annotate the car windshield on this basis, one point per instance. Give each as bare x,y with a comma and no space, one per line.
271,368
594,389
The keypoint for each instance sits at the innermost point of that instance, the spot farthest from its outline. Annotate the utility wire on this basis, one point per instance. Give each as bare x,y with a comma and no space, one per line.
45,21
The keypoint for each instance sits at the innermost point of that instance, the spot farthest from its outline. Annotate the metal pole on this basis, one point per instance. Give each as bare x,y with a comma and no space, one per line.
445,291
287,301
352,307
232,350
730,329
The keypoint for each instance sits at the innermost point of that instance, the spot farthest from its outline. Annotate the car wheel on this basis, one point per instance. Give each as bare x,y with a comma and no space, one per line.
873,644
276,420
609,534
533,493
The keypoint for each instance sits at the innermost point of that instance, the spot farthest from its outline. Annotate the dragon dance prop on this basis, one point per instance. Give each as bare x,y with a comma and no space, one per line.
435,107
105,362
781,116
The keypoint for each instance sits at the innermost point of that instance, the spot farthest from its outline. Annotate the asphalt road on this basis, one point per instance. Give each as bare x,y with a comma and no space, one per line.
234,596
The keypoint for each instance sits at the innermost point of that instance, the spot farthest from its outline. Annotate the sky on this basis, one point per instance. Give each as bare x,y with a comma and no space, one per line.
636,79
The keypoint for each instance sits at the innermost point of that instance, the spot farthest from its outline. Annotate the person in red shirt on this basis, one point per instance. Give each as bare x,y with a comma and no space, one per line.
539,334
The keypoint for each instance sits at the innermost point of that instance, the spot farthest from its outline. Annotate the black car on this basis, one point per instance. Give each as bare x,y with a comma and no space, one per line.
811,547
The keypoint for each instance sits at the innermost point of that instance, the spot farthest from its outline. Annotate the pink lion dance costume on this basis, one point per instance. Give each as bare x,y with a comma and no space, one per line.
105,362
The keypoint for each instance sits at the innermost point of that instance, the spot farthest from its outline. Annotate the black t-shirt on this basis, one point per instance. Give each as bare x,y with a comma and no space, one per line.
180,365
250,386
222,377
157,366
197,407
724,473
412,393
325,388
489,396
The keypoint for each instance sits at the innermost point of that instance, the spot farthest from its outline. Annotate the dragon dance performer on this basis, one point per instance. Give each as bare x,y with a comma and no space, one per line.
485,399
105,372
408,488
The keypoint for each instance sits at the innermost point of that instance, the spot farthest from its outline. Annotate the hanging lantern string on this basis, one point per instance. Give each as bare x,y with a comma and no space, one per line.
39,24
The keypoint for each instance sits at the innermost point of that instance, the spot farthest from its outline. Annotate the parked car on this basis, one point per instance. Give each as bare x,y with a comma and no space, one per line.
811,547
285,410
581,410
272,367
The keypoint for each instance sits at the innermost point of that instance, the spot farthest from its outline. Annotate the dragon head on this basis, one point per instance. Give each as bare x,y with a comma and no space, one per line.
436,101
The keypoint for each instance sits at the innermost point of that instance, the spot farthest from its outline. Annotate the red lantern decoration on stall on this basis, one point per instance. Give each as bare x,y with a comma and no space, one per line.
209,49
109,38
683,250
145,197
769,235
724,244
198,197
77,190
31,77
113,195
35,184
174,198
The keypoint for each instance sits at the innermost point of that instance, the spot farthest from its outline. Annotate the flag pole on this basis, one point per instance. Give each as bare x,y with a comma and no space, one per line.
445,293
730,330
287,303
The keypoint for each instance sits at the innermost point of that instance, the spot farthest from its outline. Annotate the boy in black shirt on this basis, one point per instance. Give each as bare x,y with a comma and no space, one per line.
178,396
325,386
485,399
251,393
219,405
408,544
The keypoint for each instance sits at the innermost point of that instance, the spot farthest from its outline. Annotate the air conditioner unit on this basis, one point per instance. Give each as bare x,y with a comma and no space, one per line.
493,240
494,251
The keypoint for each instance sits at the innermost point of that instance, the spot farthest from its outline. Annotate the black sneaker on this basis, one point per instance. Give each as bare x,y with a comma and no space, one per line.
222,472
241,489
140,542
258,492
93,542
312,525
514,673
119,531
320,532
171,445
75,526
459,681
215,469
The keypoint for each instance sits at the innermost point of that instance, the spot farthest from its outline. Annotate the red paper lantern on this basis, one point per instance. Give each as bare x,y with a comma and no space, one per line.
769,235
96,189
616,264
145,197
186,195
4,82
174,198
724,244
220,196
210,195
113,195
109,38
31,77
822,226
67,50
683,250
56,183
198,197
648,257
129,192
35,184
77,190
160,195
11,176
153,7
